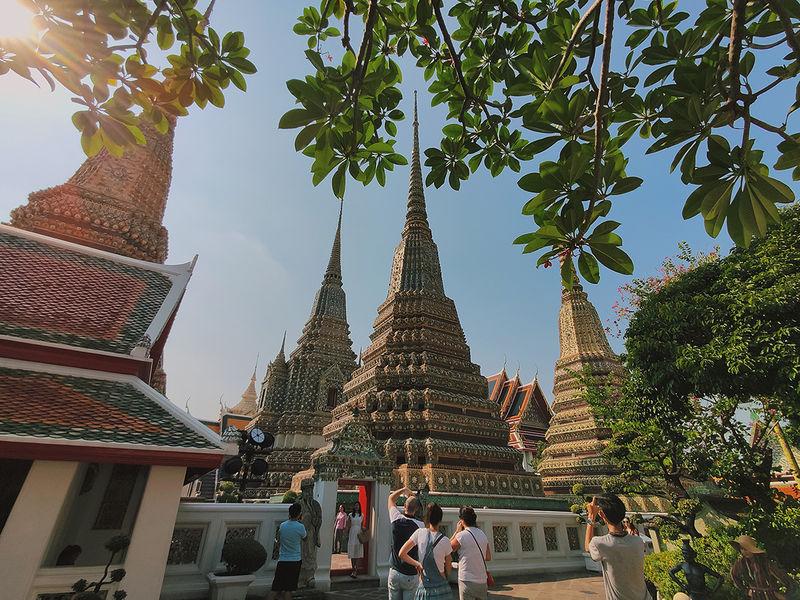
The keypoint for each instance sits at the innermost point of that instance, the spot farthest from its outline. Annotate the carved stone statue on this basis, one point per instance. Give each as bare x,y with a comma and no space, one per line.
695,573
312,520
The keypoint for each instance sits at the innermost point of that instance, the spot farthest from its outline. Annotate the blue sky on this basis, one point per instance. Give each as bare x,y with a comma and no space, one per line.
242,199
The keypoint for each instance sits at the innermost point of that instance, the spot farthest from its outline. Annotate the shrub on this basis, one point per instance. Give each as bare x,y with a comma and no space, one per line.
289,497
243,556
656,569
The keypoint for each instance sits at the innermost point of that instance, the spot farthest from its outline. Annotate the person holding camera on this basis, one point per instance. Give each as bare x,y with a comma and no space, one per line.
620,554
403,580
472,546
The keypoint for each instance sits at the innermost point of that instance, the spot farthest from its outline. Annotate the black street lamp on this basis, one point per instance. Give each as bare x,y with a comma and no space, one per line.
249,464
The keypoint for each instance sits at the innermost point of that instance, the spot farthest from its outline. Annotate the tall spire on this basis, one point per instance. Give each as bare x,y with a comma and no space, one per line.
330,299
248,404
281,353
113,204
416,260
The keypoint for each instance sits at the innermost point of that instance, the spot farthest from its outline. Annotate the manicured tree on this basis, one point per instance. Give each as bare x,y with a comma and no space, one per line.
521,77
109,55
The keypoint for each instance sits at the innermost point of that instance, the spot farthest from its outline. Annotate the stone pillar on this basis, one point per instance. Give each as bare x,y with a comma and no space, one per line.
146,559
32,523
325,494
380,534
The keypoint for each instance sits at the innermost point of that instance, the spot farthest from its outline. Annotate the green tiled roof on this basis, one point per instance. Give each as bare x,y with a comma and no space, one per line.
69,407
51,294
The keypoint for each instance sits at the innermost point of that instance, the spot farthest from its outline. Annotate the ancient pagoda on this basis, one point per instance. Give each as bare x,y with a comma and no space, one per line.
417,390
575,441
298,394
114,204
248,404
110,203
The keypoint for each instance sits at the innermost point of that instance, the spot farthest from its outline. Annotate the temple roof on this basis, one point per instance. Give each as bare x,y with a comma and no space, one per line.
81,412
58,292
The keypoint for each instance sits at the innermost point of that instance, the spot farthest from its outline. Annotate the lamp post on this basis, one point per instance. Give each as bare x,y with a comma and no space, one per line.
249,464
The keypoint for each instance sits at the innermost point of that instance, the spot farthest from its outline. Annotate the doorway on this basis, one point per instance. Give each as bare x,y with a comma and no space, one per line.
350,491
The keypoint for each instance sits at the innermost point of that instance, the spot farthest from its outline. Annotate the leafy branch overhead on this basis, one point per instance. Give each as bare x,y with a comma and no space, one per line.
127,63
521,78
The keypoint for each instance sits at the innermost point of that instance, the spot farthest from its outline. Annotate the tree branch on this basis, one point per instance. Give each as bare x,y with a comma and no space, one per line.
735,48
786,21
602,92
576,33
518,16
767,127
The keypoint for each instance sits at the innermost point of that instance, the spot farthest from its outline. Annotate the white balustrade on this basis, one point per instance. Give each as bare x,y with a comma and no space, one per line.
522,541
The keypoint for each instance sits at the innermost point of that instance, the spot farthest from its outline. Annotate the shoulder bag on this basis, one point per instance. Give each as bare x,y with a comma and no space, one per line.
489,578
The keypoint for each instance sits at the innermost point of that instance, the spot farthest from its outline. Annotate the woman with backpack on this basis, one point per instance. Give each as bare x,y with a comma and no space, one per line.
433,549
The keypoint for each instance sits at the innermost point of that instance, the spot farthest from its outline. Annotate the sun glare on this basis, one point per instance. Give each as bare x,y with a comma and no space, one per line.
15,20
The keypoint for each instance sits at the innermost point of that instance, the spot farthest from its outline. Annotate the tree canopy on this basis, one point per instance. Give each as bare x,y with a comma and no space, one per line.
128,62
715,341
525,77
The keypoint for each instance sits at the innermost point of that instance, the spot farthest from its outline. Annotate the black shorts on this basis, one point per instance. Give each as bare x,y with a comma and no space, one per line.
286,575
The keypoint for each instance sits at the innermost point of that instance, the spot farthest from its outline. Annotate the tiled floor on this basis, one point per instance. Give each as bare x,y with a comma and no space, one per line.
569,586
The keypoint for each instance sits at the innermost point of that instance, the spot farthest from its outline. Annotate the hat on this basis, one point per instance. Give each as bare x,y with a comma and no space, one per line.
746,543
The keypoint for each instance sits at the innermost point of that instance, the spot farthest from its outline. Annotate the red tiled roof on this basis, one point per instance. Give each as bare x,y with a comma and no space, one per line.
52,291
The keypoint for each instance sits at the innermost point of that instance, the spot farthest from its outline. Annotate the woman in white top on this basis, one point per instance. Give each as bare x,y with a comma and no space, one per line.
355,549
433,550
472,546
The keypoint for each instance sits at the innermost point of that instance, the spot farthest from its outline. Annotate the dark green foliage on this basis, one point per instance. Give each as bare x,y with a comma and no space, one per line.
520,78
656,569
289,496
243,556
91,591
227,491
102,53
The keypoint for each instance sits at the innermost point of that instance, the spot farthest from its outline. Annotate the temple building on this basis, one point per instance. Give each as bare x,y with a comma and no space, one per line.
298,394
525,409
89,448
575,441
418,392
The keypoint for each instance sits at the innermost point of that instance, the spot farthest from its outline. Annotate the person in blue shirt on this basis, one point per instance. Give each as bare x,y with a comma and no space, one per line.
290,558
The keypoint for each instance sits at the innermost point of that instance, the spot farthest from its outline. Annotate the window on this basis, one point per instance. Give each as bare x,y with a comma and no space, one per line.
114,506
12,474
333,397
515,406
550,539
492,383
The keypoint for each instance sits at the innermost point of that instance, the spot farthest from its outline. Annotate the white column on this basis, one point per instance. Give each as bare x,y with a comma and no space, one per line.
146,560
381,534
325,494
31,525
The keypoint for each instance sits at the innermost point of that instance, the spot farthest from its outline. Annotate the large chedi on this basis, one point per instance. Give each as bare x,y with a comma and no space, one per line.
417,391
297,395
113,204
575,441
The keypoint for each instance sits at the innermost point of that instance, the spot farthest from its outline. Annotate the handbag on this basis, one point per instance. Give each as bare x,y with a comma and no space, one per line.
363,536
489,578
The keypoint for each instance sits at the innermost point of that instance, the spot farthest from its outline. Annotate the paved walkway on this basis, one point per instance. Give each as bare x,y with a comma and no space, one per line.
567,586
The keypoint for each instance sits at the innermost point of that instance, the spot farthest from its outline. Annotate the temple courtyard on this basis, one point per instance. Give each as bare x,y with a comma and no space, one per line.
567,586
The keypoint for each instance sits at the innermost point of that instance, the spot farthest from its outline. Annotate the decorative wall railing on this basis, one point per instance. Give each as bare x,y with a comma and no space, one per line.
522,542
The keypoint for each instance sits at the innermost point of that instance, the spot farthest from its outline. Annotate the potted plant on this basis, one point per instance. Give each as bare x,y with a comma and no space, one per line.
92,591
242,558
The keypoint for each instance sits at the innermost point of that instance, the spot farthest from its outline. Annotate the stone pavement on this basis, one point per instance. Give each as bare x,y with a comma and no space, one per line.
565,586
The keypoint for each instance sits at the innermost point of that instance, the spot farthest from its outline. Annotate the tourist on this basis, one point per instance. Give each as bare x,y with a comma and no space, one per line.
342,524
472,546
355,549
434,550
403,580
620,554
290,558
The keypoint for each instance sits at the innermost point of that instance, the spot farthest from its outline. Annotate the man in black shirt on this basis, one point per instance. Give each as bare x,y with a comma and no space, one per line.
403,578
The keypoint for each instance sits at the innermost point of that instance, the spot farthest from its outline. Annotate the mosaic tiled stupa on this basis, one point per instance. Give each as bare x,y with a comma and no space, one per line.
297,395
113,204
417,390
575,440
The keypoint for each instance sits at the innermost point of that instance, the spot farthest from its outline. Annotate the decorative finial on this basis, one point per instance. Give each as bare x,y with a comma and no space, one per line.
255,367
186,406
360,350
505,360
416,120
283,343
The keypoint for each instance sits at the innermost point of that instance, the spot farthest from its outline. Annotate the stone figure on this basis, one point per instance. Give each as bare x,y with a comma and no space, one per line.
312,519
756,575
695,573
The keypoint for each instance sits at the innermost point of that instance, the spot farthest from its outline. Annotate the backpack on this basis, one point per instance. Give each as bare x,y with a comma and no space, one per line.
402,529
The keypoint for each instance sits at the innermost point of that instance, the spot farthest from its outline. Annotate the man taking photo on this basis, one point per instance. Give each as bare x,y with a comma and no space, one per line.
403,578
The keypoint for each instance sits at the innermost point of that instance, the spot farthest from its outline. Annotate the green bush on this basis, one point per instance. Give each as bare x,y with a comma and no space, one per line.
289,497
656,569
243,556
778,532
